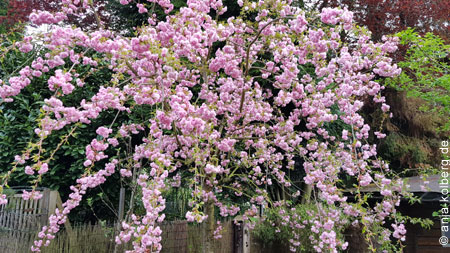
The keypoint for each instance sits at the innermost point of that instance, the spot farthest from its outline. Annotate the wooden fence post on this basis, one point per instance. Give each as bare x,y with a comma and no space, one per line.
238,237
121,204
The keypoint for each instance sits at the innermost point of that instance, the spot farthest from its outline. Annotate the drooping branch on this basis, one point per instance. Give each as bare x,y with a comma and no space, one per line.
247,56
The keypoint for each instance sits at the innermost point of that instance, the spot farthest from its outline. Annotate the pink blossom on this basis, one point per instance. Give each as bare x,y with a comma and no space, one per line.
26,195
104,132
45,17
330,16
141,8
3,199
226,145
209,169
43,169
29,170
399,231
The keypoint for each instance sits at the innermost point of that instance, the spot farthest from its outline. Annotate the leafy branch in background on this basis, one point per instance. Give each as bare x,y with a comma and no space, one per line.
426,73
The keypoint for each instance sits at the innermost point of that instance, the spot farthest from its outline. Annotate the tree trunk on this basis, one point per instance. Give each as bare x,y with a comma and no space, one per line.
307,196
208,227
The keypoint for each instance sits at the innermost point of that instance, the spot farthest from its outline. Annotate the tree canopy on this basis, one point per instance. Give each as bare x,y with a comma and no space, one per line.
245,106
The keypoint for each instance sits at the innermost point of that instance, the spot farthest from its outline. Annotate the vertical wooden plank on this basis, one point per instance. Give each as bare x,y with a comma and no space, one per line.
26,212
9,221
238,237
2,210
18,214
34,214
8,213
52,202
13,222
45,206
3,225
14,214
34,224
30,219
25,235
121,203
3,216
7,218
39,213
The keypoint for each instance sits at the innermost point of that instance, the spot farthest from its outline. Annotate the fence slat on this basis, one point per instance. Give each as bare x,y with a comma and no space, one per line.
22,233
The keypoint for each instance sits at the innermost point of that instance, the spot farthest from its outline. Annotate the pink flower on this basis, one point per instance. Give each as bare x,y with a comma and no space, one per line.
25,47
379,135
365,180
385,107
330,15
344,134
104,132
31,195
386,192
45,17
226,145
113,141
43,169
399,231
61,80
29,170
125,173
3,199
190,217
209,169
87,163
141,8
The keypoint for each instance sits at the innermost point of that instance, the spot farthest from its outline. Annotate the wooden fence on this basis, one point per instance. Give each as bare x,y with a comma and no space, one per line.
21,220
196,238
177,237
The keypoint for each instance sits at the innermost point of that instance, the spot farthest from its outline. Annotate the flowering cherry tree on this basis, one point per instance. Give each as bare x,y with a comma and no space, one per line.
233,104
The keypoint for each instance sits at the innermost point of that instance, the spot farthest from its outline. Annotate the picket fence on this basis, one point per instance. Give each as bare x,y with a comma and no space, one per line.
20,219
